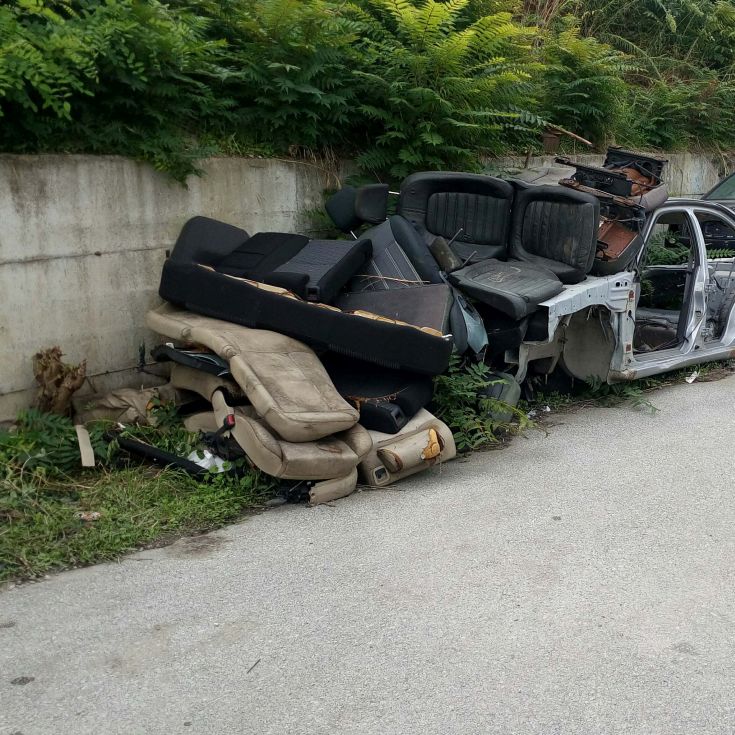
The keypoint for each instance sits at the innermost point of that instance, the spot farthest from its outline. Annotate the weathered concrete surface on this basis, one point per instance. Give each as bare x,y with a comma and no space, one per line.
686,174
578,584
83,238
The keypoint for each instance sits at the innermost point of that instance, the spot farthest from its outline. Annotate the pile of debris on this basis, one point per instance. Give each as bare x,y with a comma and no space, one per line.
314,359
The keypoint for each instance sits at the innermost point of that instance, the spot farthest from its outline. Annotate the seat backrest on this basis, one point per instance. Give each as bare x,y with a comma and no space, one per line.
205,240
557,224
442,204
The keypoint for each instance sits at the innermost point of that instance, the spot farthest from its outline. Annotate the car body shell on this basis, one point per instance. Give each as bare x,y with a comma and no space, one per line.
591,325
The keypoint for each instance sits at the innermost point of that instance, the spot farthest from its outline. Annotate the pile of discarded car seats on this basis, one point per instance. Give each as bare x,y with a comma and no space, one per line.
316,357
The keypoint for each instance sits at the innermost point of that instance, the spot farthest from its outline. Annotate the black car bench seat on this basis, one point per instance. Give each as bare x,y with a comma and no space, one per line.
514,288
471,209
313,269
190,279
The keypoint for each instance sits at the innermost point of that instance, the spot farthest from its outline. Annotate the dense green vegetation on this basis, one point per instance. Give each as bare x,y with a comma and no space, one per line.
398,84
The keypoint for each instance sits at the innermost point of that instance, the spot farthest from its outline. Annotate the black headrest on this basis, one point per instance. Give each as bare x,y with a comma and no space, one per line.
350,207
206,240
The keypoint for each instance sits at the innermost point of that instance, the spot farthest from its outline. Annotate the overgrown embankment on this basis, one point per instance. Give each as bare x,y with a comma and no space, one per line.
401,85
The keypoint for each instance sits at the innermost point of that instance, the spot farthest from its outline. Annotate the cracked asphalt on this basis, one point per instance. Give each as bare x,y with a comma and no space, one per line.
576,582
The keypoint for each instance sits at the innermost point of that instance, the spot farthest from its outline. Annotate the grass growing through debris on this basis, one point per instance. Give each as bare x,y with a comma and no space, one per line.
53,516
636,394
476,420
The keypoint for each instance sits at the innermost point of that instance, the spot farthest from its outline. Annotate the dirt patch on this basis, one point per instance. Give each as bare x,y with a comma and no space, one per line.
197,546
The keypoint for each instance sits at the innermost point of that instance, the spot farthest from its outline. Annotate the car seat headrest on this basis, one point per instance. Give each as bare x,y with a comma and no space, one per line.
350,207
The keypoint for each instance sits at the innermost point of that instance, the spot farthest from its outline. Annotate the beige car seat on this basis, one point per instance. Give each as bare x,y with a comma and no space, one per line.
282,378
332,458
422,443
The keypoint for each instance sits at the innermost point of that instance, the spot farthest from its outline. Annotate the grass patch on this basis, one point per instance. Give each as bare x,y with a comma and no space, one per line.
53,515
43,526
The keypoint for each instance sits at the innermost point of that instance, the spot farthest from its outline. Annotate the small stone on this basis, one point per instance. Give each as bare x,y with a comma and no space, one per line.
22,680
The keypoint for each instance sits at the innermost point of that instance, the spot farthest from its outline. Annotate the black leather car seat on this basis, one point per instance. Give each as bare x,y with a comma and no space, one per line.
471,209
555,228
553,241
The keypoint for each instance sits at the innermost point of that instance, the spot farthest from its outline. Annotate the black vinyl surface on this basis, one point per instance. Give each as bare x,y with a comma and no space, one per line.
213,294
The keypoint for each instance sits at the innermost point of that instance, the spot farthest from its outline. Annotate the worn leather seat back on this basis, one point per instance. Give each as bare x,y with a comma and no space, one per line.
471,209
283,378
556,228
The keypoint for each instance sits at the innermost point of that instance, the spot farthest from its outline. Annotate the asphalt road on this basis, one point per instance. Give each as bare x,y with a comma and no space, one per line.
580,582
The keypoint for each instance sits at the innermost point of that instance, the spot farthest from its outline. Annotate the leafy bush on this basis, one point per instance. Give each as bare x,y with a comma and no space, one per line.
399,84
583,84
115,77
289,69
678,114
441,91
684,94
458,401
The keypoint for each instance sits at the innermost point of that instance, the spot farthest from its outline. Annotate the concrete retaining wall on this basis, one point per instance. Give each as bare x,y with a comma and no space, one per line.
83,238
686,174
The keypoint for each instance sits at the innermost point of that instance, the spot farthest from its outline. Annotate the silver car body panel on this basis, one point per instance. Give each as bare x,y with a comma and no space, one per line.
591,324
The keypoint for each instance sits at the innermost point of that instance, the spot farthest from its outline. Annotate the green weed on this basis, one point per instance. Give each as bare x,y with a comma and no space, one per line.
471,416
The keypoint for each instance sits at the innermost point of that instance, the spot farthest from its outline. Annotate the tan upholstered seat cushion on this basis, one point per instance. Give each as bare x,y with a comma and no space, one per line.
323,459
283,378
422,443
